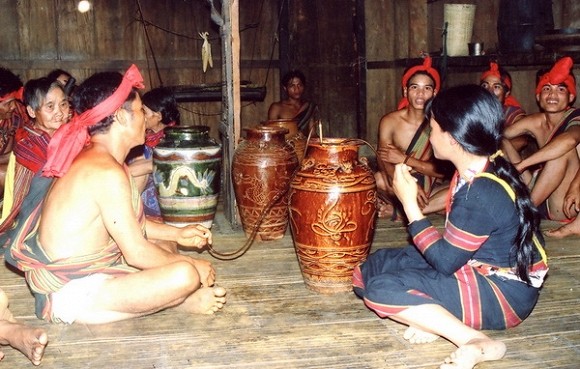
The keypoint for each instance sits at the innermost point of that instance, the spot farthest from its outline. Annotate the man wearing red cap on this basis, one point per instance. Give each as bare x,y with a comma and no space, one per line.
404,138
499,82
86,249
555,93
12,116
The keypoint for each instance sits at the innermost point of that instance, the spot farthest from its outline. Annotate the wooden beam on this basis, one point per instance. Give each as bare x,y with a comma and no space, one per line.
231,122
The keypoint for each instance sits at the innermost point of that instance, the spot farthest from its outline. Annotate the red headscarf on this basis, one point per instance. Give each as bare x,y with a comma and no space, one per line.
13,95
69,139
425,67
560,73
494,71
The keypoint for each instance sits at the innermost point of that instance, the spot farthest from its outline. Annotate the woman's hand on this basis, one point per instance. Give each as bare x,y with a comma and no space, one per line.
194,235
406,189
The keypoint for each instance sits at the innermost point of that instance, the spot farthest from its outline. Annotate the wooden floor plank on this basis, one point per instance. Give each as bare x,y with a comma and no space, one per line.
273,321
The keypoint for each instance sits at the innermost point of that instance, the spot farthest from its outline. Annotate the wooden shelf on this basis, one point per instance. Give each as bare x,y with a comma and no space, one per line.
470,63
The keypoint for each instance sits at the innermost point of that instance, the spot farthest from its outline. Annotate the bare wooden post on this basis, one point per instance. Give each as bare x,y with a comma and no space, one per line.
230,125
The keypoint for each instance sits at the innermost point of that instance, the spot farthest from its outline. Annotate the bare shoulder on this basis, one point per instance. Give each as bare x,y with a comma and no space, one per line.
391,121
274,110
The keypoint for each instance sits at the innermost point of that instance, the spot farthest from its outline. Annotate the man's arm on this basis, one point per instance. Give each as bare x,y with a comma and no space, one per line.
114,200
384,142
274,111
557,147
521,127
426,167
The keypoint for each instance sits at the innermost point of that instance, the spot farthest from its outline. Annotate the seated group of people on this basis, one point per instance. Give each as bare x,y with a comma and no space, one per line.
90,255
544,142
73,218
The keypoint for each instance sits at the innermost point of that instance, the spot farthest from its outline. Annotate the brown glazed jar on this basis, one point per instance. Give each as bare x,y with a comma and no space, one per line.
262,167
332,213
294,137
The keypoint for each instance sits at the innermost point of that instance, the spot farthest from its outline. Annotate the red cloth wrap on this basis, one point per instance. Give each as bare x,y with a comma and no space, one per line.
152,139
68,141
425,67
494,71
560,73
13,95
30,148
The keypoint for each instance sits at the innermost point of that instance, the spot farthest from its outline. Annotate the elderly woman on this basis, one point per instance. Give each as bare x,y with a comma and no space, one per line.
48,107
486,270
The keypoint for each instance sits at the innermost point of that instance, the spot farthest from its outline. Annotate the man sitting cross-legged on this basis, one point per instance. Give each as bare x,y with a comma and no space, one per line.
555,92
404,138
90,259
559,146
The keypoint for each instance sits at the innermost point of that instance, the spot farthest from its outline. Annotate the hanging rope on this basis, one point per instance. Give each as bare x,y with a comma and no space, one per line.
142,18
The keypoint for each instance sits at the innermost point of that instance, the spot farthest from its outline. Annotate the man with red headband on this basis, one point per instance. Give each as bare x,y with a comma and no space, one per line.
12,116
404,138
555,93
86,249
498,81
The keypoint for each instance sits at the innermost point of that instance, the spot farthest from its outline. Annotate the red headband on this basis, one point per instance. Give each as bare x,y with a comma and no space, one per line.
560,73
494,71
69,139
425,67
13,95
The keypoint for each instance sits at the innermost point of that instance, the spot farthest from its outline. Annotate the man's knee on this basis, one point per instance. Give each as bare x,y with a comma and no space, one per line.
184,275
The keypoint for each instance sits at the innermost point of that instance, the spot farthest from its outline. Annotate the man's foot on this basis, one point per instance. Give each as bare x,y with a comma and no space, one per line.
384,209
473,353
30,341
564,231
415,335
206,300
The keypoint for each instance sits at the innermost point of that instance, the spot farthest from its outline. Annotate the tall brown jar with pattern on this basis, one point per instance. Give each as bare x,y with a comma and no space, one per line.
262,167
294,136
332,205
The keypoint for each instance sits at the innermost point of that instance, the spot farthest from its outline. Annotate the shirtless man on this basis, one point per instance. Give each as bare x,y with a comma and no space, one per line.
403,128
559,146
555,92
294,106
93,260
499,82
30,341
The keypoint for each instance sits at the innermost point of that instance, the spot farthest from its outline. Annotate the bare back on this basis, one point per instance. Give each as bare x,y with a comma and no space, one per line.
95,188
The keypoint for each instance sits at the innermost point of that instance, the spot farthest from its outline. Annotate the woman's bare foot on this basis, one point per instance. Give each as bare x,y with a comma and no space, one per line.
473,353
564,231
30,341
206,300
415,335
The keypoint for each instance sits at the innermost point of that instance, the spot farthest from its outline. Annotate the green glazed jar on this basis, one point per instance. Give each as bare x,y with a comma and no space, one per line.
186,172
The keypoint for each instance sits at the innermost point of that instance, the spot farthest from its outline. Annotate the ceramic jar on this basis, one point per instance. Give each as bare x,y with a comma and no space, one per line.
262,166
186,172
332,204
294,137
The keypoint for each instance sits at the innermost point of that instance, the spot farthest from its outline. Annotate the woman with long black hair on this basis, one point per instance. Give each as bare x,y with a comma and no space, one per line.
486,269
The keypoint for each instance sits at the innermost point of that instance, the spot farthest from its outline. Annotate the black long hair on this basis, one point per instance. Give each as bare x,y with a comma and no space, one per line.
162,100
474,118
